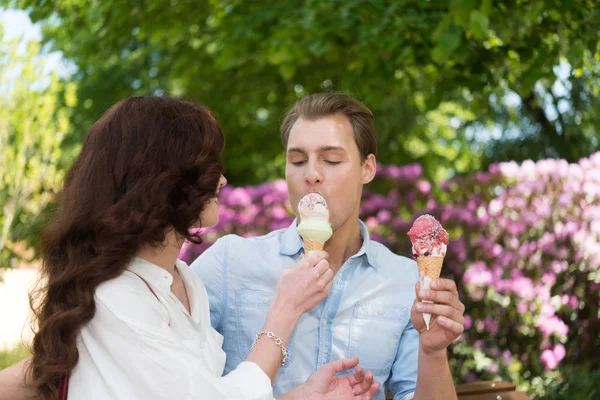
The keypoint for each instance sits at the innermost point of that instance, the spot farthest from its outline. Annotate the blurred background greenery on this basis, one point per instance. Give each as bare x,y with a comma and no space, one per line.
455,85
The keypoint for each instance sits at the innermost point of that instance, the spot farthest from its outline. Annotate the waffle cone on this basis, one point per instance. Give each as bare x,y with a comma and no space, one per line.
312,245
430,267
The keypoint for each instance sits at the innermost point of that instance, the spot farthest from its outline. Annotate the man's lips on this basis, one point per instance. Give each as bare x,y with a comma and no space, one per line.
313,191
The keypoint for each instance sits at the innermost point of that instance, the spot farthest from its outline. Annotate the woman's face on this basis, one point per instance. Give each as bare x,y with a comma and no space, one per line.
210,214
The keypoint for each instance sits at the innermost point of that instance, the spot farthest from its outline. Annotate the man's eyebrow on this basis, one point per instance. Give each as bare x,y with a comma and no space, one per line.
296,150
321,149
324,149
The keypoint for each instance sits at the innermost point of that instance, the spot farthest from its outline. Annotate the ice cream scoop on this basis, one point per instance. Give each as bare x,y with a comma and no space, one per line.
428,237
314,226
429,245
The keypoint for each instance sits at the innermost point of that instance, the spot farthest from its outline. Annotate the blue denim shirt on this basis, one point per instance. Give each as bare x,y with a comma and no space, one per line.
366,314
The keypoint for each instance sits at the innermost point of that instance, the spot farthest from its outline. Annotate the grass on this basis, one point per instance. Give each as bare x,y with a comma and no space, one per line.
10,357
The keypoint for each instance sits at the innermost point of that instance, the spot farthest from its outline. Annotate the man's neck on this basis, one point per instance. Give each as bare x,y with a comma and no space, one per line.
345,242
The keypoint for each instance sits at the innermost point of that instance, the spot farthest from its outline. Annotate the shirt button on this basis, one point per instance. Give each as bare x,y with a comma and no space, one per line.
381,311
324,323
265,300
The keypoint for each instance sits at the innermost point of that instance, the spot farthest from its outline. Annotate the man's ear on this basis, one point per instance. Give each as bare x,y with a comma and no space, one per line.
369,168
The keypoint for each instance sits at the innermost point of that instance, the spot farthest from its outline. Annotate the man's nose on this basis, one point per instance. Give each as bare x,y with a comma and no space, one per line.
313,175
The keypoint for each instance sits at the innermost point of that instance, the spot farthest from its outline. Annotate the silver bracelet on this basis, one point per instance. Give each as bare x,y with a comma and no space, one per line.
278,342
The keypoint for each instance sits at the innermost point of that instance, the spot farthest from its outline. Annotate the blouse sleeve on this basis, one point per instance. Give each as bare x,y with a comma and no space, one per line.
137,354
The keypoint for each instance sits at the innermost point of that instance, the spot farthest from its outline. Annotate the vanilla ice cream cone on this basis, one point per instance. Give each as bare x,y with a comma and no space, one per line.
314,226
429,269
312,245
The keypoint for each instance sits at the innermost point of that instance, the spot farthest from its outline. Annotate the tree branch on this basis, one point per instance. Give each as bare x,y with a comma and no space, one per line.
557,141
560,117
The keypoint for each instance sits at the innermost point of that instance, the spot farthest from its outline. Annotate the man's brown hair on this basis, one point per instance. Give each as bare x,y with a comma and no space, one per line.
321,105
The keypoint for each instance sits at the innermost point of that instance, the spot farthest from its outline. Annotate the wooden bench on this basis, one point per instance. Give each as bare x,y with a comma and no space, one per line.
489,390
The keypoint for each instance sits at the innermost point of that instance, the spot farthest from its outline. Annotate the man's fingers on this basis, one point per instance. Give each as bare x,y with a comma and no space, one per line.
441,310
437,296
442,296
451,325
445,284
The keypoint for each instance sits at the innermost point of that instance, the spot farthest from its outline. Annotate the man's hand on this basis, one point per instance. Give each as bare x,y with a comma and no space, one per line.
324,385
447,320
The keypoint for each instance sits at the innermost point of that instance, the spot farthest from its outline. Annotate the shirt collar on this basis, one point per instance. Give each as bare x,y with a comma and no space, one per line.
291,243
152,273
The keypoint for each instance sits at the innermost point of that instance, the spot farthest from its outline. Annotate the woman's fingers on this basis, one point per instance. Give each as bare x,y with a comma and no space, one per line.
321,267
357,377
326,277
340,365
362,384
371,393
314,257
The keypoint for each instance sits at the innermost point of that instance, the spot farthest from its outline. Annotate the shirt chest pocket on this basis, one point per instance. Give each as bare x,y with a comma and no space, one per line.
375,331
251,313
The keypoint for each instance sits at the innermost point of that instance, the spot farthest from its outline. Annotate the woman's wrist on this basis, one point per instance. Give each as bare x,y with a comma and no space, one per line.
281,314
273,339
297,393
278,341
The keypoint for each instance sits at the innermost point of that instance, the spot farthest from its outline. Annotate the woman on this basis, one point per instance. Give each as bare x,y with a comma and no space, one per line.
118,313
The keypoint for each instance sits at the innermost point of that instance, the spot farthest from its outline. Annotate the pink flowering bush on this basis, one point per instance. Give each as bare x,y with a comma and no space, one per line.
524,251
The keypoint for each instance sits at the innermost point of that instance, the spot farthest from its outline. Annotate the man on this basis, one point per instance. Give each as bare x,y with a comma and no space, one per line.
373,310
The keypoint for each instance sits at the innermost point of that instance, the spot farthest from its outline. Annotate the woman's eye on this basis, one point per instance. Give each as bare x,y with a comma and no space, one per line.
298,163
332,162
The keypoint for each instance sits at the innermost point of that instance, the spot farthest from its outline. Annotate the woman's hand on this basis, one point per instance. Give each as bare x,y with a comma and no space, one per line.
305,285
299,289
324,385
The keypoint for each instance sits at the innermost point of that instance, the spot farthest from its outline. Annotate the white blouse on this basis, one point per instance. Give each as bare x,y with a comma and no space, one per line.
136,347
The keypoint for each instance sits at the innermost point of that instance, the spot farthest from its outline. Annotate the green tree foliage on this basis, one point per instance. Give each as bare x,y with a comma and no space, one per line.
33,123
436,73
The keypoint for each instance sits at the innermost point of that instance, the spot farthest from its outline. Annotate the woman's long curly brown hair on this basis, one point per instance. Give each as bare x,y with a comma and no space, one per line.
147,166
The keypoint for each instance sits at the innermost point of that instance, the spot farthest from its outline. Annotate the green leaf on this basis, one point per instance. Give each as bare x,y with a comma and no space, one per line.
402,59
460,10
486,7
479,24
33,124
575,56
450,41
